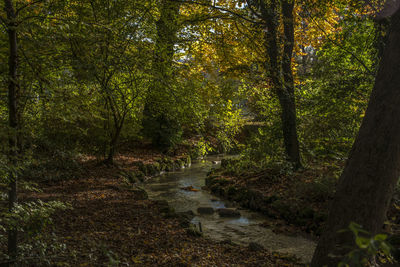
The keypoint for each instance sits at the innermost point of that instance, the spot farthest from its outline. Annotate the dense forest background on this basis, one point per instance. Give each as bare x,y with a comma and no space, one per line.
283,83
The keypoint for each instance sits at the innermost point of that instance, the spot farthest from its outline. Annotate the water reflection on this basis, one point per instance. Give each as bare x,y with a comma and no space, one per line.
242,230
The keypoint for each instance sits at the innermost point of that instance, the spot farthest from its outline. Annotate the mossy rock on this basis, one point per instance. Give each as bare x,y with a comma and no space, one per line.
256,201
131,177
231,191
185,217
227,162
306,213
140,166
163,167
167,161
253,246
283,209
210,180
223,181
179,164
139,175
228,212
271,199
188,161
139,193
157,166
151,170
165,209
243,195
192,230
215,188
299,221
169,166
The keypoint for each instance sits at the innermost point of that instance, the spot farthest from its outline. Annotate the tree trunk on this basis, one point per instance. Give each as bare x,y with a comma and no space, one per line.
367,183
113,144
281,74
13,121
287,100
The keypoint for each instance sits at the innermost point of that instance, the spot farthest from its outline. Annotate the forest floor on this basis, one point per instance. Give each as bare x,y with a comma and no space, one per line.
112,225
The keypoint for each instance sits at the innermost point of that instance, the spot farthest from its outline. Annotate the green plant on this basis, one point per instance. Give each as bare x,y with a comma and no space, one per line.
201,149
367,247
32,220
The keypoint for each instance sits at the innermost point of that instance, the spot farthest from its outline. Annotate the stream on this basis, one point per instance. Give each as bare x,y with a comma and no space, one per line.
243,230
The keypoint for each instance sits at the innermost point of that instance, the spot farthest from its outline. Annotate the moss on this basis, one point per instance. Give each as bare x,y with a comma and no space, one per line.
151,170
169,166
139,175
188,161
163,167
306,213
211,180
179,164
192,230
140,165
231,190
157,166
140,194
215,188
223,181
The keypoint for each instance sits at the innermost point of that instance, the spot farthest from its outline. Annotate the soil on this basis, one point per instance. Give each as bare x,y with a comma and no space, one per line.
112,224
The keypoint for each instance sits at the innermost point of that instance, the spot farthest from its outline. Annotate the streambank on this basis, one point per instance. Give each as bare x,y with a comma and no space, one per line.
300,204
184,194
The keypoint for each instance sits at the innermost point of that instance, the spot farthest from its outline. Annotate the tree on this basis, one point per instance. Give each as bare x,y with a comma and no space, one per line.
278,65
160,119
368,180
11,26
110,57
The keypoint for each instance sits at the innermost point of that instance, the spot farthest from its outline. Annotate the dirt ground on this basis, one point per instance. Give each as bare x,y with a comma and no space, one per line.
112,225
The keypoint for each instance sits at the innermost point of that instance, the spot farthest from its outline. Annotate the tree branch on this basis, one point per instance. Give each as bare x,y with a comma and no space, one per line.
342,47
27,5
218,8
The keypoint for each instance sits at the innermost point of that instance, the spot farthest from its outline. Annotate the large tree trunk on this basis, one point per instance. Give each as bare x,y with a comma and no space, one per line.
287,99
367,183
281,74
13,120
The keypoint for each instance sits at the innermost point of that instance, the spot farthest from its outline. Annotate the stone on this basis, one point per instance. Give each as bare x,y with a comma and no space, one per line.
253,246
193,231
205,210
140,194
179,164
188,161
185,217
228,212
227,242
162,205
151,170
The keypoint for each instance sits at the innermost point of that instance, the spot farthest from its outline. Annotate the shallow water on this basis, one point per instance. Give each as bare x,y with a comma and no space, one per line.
241,230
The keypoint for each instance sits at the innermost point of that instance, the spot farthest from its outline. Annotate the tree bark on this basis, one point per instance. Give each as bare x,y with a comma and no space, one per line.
281,74
12,120
287,99
369,178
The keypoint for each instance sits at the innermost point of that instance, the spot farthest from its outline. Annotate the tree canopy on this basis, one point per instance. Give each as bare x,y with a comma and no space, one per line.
283,83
